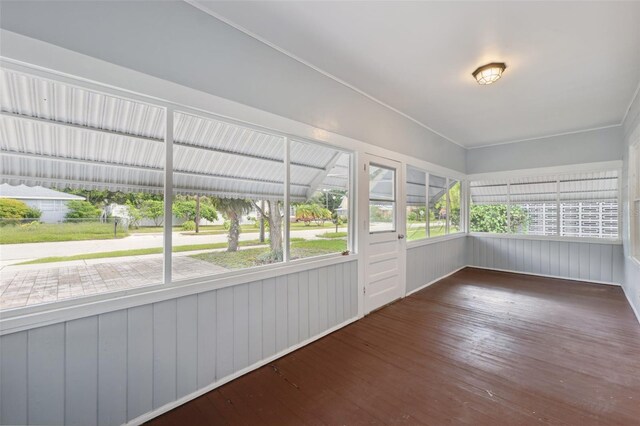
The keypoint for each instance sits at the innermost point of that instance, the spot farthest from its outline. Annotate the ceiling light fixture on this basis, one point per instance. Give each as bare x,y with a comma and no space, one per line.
489,73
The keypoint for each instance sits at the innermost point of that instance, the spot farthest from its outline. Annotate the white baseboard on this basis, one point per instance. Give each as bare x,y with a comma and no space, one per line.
422,287
171,405
546,276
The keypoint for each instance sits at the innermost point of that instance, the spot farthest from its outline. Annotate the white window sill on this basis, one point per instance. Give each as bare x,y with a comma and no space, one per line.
434,240
28,317
547,238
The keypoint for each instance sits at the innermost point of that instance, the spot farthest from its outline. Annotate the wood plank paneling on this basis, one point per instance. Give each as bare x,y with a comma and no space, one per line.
207,307
187,343
46,362
224,333
81,372
13,379
240,327
140,361
255,322
112,368
586,261
429,262
115,367
164,352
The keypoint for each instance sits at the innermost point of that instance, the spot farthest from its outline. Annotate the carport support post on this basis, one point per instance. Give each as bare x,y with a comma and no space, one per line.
168,195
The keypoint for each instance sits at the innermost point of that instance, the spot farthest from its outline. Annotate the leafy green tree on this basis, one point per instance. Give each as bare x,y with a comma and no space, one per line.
186,209
233,209
79,210
134,214
493,218
330,200
153,210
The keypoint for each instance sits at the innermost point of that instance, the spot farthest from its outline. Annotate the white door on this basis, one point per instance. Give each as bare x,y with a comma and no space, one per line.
384,254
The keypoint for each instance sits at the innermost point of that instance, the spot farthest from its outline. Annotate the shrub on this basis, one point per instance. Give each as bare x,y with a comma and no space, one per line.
79,210
189,225
31,225
12,209
33,213
493,218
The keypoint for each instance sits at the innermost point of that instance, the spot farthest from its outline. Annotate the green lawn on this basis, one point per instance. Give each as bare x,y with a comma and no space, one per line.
49,232
252,257
332,235
219,229
416,232
135,252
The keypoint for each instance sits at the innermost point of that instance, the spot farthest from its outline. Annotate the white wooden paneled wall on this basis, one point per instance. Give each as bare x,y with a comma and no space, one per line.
430,262
583,261
632,285
111,368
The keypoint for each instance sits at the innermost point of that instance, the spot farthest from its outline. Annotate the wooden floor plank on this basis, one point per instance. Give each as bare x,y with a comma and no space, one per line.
479,348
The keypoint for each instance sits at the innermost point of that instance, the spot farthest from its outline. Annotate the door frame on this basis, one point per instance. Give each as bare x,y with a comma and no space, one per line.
363,222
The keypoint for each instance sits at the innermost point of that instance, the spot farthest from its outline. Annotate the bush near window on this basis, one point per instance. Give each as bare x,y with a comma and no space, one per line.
492,218
12,209
79,210
33,213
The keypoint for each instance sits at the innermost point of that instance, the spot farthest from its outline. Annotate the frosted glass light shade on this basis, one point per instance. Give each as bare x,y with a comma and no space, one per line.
489,73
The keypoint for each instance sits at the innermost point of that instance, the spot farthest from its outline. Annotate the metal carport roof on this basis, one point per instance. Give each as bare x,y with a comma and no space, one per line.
57,135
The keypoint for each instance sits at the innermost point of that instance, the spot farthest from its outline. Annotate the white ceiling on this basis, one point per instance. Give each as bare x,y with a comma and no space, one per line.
571,66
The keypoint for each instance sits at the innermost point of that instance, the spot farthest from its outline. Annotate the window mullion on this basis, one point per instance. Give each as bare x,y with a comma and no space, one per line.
287,201
558,210
428,210
508,208
448,204
168,195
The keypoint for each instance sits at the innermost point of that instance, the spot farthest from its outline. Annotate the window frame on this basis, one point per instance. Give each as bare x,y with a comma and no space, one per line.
168,287
557,173
428,239
634,198
393,200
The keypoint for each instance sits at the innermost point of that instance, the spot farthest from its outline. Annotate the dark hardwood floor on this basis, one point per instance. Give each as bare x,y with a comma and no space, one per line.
478,348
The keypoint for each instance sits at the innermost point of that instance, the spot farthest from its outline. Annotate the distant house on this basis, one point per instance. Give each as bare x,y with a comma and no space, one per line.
52,204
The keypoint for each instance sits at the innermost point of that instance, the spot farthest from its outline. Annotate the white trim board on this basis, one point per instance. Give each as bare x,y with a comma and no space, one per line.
554,170
584,280
171,405
422,287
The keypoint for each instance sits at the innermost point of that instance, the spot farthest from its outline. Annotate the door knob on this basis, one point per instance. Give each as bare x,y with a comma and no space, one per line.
400,236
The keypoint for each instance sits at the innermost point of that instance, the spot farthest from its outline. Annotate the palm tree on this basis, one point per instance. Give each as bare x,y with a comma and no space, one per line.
233,209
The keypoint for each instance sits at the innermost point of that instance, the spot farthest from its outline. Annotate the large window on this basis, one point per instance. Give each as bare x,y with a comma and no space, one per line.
433,205
583,205
416,204
82,193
